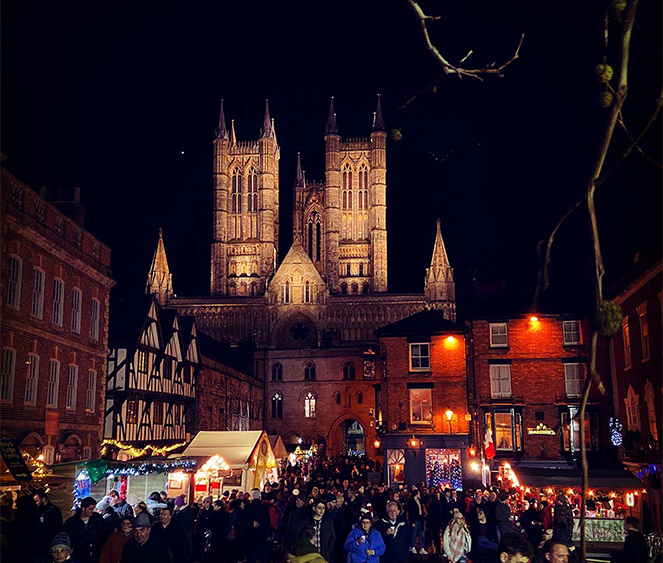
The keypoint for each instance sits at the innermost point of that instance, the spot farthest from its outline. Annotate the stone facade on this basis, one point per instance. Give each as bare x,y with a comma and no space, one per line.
55,291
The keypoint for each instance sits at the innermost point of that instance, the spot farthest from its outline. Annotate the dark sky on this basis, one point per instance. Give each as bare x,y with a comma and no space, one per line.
107,95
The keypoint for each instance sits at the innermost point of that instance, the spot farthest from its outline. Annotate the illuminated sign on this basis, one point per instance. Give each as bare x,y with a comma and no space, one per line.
541,430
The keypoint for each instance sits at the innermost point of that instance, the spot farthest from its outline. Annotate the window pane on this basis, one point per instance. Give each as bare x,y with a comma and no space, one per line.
421,405
571,331
500,380
7,373
498,334
503,431
573,377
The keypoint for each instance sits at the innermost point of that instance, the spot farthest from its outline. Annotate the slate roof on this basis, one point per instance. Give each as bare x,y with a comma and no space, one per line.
425,322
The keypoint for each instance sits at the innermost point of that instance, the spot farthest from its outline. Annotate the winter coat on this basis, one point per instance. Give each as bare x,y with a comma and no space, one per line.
327,535
256,512
50,523
86,539
151,550
635,547
503,519
414,513
396,544
357,552
112,550
154,507
297,521
563,523
123,509
174,537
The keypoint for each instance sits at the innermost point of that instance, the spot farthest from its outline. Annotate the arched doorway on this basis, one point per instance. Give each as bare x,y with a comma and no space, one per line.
71,448
354,437
32,444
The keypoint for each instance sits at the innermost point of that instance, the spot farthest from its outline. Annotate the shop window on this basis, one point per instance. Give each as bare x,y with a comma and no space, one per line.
573,376
498,335
421,406
571,433
506,427
500,381
396,465
443,469
571,330
420,357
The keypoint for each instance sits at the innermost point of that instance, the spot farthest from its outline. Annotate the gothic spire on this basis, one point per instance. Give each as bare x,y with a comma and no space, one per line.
440,259
233,137
222,132
331,128
378,120
440,289
159,278
266,130
300,175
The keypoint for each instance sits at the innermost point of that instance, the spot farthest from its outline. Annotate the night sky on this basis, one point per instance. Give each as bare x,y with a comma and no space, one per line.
108,95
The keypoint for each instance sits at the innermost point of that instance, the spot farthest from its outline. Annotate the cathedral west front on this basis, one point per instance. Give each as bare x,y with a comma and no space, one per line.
310,319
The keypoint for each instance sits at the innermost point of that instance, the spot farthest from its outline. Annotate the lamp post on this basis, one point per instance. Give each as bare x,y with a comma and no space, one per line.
449,414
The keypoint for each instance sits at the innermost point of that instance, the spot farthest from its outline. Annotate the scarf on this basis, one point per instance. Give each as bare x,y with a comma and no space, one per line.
457,536
395,525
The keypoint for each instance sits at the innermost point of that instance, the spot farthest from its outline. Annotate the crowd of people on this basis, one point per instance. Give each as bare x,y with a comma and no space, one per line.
321,510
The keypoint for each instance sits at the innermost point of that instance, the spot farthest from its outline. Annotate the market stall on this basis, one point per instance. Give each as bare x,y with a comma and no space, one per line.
231,460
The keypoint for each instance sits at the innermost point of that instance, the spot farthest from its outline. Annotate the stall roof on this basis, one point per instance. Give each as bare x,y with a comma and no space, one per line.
598,478
278,447
235,447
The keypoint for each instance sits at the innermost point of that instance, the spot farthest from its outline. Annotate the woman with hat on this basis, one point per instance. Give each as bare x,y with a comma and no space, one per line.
364,543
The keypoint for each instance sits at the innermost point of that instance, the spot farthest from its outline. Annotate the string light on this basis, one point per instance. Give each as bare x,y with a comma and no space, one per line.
138,452
188,465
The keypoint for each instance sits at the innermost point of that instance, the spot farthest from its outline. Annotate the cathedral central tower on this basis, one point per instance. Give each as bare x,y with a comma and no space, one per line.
246,210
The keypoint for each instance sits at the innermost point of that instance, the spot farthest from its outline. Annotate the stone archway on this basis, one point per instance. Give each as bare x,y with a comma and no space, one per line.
71,448
32,444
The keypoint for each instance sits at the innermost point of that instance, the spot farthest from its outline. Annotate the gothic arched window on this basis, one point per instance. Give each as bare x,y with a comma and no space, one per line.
309,405
348,370
307,292
277,372
235,190
344,288
361,269
309,371
310,239
337,398
318,241
286,292
355,288
277,405
360,398
365,289
253,191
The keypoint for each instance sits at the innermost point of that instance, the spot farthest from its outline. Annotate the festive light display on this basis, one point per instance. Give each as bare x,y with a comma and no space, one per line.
138,452
616,428
443,468
146,468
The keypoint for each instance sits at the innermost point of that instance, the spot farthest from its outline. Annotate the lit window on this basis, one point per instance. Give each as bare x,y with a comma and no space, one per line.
7,370
38,294
15,267
500,381
571,433
91,396
571,331
309,371
498,335
309,405
506,427
94,320
142,361
76,300
420,357
421,406
644,329
32,380
58,301
72,387
277,406
396,464
632,402
574,380
53,383
277,372
626,336
349,371
132,412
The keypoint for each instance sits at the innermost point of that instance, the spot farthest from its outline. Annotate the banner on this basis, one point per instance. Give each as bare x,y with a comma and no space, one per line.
13,457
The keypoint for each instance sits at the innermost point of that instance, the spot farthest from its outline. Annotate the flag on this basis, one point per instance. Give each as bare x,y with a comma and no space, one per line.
488,446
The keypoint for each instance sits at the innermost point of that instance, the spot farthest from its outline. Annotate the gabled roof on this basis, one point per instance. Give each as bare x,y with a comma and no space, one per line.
430,321
235,447
297,257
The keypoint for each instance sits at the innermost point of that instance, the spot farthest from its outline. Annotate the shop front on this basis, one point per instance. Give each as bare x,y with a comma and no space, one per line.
435,459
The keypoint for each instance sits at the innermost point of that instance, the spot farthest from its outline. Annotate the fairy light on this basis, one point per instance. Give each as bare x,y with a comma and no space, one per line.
138,452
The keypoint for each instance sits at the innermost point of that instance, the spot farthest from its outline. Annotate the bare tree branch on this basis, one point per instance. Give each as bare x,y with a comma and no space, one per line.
447,67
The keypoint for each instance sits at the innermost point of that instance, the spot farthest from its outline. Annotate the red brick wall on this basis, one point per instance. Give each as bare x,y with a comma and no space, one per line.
448,374
28,231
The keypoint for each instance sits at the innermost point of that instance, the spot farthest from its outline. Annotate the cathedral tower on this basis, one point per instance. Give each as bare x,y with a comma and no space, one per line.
355,228
439,288
246,210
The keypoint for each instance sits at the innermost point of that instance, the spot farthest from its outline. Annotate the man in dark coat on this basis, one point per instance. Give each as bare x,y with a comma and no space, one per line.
325,535
503,516
171,533
50,521
563,521
395,534
635,544
121,506
298,518
144,547
87,531
257,529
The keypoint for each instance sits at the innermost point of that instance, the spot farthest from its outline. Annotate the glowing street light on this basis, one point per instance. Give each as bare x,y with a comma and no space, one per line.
449,414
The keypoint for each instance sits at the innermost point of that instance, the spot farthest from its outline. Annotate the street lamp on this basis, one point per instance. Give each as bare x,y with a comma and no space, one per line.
376,443
449,414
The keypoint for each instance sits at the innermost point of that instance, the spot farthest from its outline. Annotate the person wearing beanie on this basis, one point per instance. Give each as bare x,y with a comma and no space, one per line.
144,547
112,550
61,549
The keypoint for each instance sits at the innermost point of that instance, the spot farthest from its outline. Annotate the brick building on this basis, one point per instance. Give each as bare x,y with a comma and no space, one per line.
55,293
526,376
422,401
635,358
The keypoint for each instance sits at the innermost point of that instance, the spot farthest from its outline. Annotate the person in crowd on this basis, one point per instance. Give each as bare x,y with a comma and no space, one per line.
50,521
503,516
87,531
546,516
305,550
395,535
325,536
635,544
169,532
531,523
415,515
484,539
364,543
435,520
143,547
297,520
562,521
514,548
154,504
141,508
257,529
184,516
457,539
120,505
477,502
60,550
203,528
111,518
553,551
112,549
